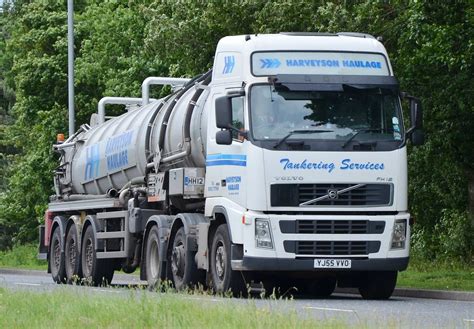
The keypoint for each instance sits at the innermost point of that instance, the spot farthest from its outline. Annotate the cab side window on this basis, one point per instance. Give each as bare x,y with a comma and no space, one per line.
237,116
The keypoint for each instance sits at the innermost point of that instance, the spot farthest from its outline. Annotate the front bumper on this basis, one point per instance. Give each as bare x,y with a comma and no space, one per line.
280,264
290,250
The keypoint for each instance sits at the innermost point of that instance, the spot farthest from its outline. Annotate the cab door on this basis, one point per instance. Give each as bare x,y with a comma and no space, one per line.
226,164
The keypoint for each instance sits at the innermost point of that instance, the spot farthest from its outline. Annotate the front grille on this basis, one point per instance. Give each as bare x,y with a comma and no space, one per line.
331,248
321,226
292,195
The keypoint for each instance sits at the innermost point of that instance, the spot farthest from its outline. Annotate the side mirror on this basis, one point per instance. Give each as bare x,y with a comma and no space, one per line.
416,113
224,137
223,112
415,133
417,137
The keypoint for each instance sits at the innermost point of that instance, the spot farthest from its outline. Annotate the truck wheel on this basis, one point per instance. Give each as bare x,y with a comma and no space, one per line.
222,276
72,256
56,258
184,271
378,285
321,288
153,264
95,271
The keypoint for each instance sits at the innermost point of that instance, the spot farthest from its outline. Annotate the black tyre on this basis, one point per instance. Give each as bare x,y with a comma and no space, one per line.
154,270
72,256
184,271
378,285
56,257
223,278
95,271
320,288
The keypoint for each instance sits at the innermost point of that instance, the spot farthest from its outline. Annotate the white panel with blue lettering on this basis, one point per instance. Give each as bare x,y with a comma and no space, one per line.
299,167
329,63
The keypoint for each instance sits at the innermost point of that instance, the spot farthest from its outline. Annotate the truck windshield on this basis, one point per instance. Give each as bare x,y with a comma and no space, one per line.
373,114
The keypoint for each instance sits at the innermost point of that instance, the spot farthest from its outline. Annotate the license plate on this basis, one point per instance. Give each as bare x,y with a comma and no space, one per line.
332,263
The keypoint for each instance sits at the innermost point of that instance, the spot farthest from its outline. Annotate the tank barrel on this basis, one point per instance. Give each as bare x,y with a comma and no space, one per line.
108,154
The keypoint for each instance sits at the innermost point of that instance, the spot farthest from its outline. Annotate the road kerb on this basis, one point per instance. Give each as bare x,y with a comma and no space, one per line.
467,296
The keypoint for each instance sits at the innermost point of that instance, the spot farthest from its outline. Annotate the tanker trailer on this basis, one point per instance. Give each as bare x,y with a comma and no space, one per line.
285,163
111,167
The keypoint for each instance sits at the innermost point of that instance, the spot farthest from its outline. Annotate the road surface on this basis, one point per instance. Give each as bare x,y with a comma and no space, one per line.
398,312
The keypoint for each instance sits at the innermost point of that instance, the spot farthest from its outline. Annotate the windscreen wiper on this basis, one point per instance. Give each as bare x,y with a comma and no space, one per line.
370,130
312,131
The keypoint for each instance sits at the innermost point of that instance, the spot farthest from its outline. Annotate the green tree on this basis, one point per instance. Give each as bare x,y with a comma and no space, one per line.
7,98
38,76
184,34
434,59
109,61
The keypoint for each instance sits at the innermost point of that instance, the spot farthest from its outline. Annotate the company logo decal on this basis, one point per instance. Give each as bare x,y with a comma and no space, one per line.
307,165
116,150
346,164
92,162
233,184
332,194
289,178
332,63
229,63
269,63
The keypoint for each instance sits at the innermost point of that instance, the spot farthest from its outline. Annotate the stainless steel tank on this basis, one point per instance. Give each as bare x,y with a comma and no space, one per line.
113,153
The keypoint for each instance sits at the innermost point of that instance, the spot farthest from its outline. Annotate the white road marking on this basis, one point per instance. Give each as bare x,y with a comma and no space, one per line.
328,309
334,310
27,284
105,290
468,320
206,299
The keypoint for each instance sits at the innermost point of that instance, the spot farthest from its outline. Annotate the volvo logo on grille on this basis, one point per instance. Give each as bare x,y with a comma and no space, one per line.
332,194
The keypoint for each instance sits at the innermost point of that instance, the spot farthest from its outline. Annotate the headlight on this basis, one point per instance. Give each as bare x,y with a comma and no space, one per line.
399,234
263,234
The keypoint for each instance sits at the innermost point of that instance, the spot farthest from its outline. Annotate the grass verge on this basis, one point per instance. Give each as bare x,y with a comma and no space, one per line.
139,309
22,256
438,275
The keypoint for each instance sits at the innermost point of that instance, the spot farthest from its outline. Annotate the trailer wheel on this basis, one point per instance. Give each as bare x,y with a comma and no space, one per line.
56,258
96,271
72,256
184,270
153,264
378,285
222,276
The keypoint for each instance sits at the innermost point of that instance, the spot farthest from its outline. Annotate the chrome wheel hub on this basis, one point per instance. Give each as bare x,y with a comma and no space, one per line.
220,261
177,260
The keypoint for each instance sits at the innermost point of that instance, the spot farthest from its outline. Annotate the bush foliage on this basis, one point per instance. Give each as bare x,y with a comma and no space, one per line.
119,43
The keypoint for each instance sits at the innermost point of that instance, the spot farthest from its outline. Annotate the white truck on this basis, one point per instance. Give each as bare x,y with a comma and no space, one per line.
285,164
